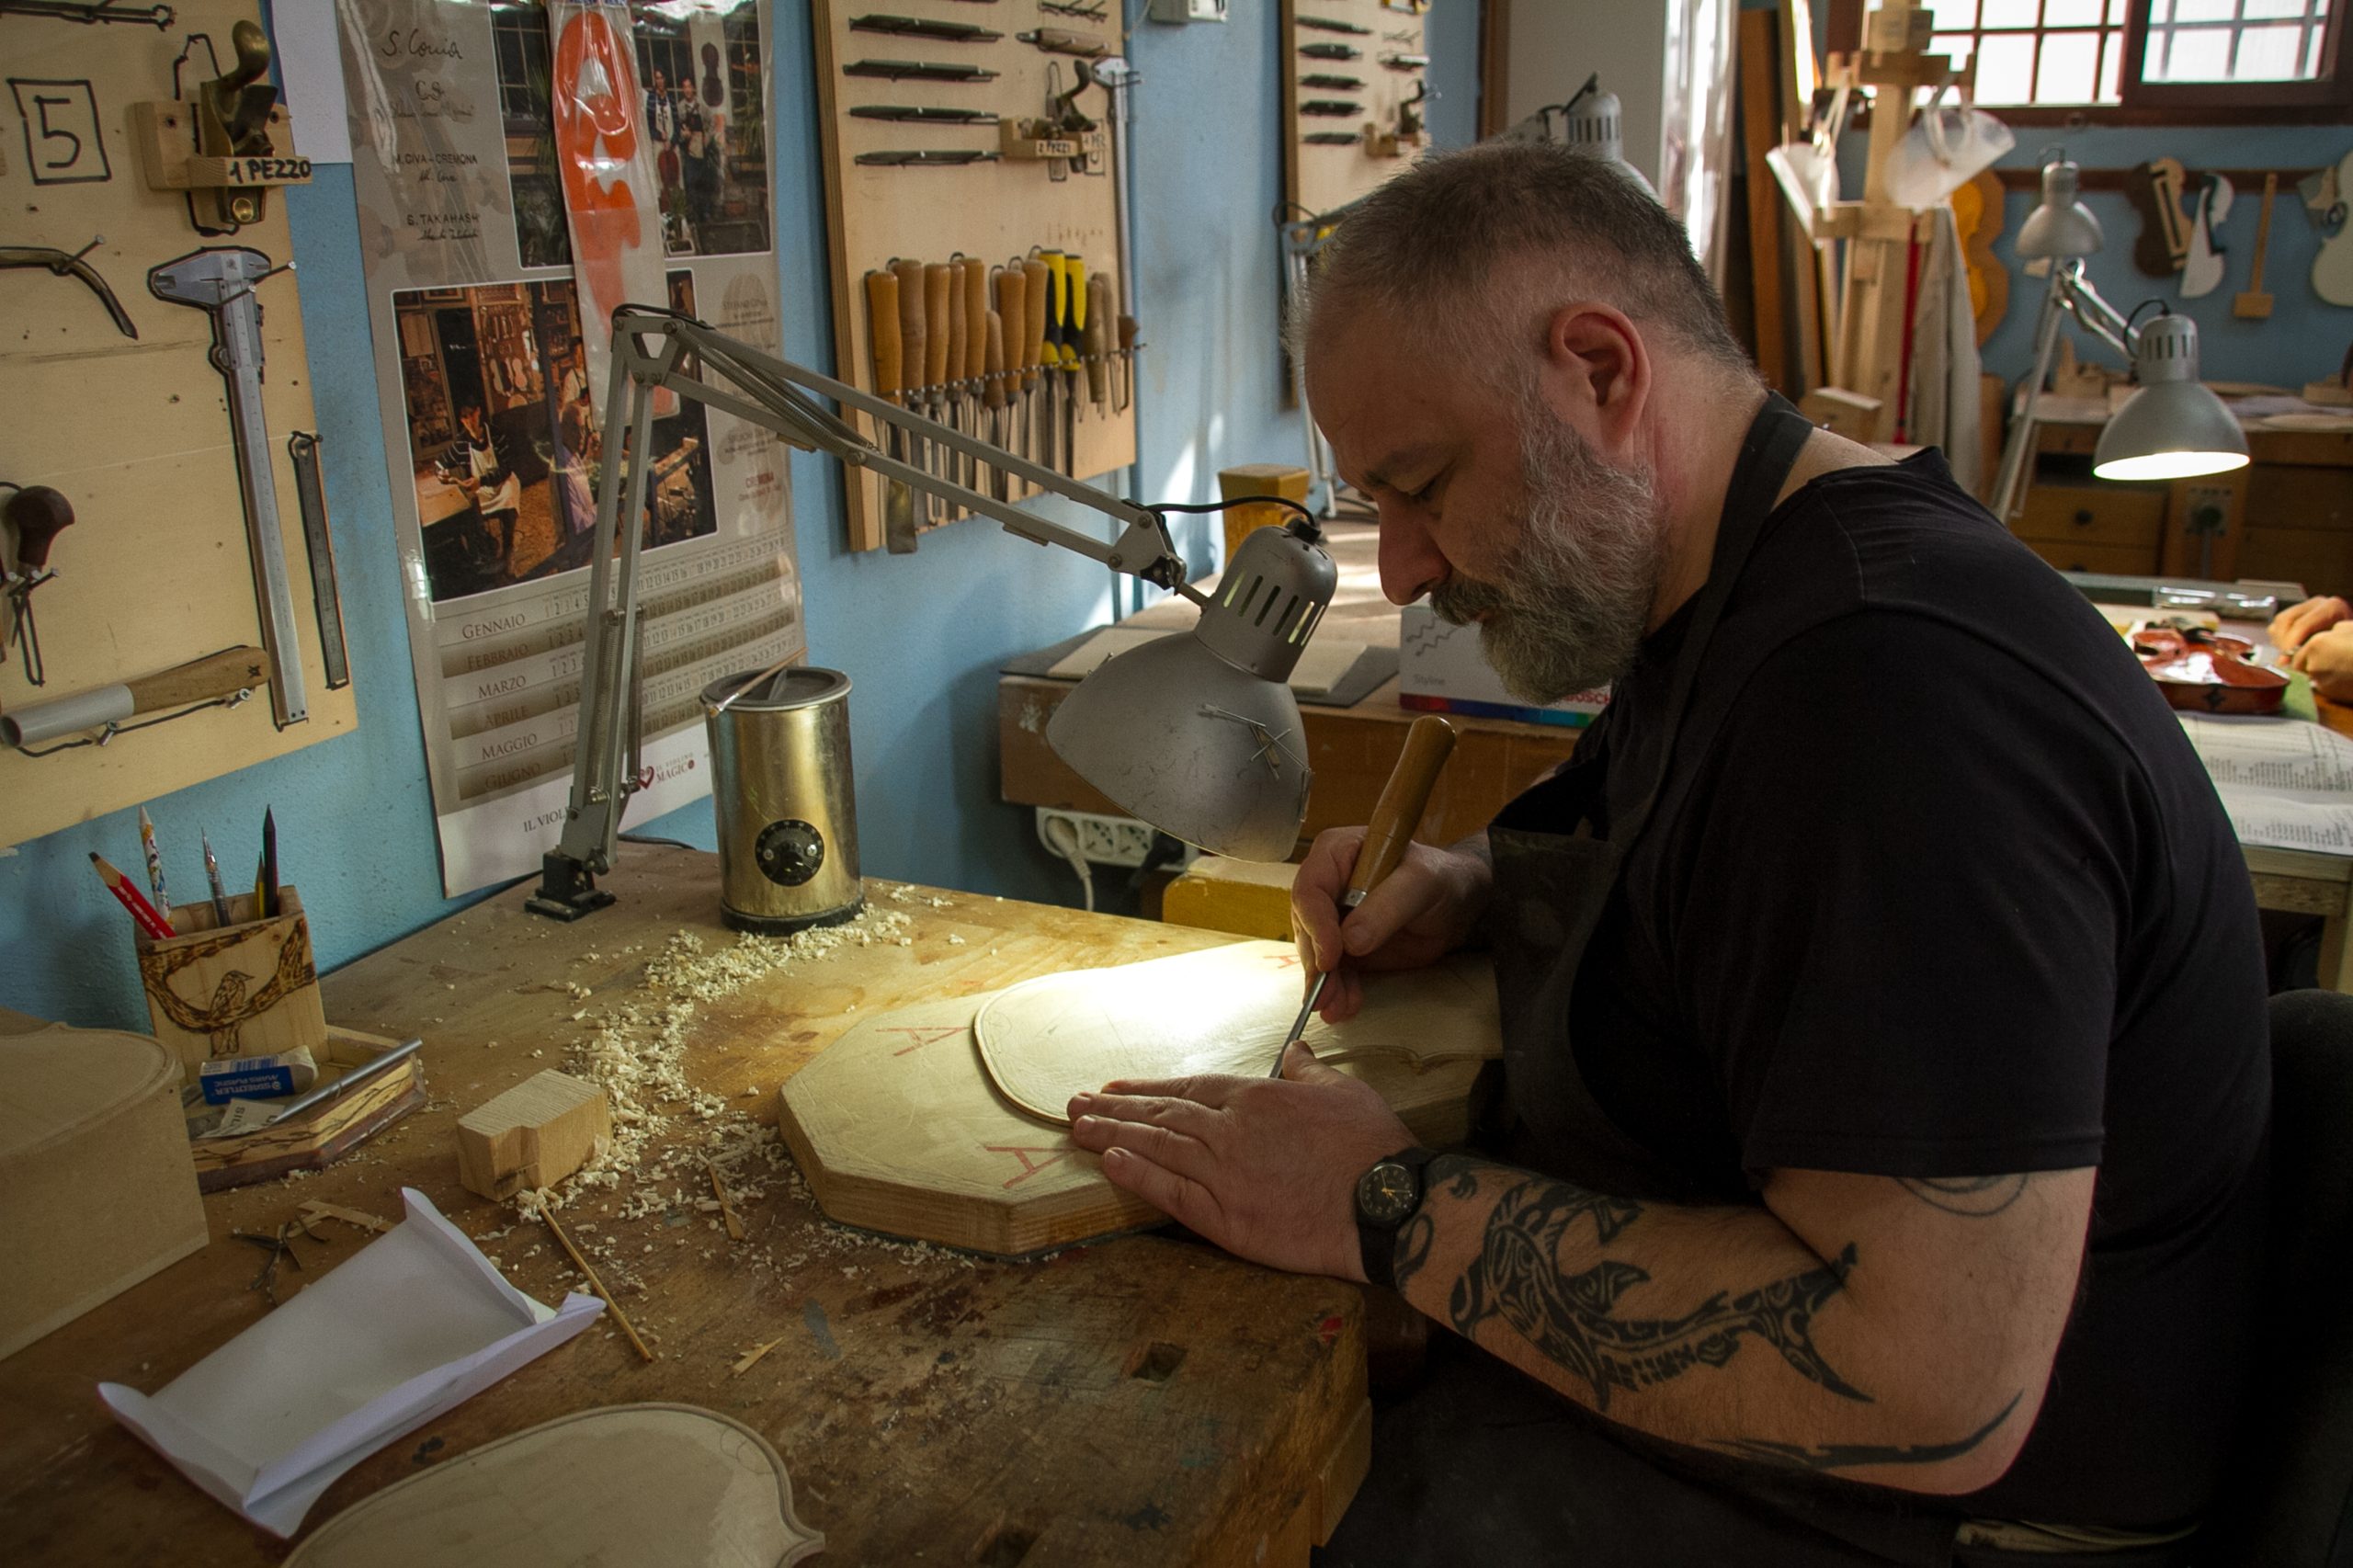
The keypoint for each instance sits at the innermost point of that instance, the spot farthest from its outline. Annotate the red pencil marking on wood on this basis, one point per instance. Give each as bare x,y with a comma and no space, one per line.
1329,1329
923,1035
1283,960
1022,1152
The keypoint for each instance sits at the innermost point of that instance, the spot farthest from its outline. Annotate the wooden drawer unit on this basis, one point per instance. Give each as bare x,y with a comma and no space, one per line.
2106,528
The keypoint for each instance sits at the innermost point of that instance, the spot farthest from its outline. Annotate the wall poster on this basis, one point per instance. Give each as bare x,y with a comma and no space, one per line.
522,168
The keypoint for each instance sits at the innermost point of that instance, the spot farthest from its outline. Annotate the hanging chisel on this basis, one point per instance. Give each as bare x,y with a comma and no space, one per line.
917,71
1008,285
1045,296
976,352
994,365
1337,84
920,27
911,360
311,495
960,348
925,116
1073,335
1331,52
936,291
1123,383
1062,40
1096,339
1330,25
928,158
219,280
883,346
1334,107
1395,817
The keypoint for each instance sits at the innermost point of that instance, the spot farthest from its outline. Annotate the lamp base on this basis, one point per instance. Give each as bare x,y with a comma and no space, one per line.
568,889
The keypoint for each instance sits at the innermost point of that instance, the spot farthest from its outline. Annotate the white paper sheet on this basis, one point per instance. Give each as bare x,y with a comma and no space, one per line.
2287,783
414,1324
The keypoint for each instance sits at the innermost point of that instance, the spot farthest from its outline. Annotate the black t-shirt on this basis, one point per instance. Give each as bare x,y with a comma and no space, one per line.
1937,888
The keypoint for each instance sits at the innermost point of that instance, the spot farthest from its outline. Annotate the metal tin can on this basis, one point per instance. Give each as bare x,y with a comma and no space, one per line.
783,786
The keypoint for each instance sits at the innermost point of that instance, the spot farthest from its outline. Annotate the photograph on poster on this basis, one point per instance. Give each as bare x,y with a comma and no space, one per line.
503,443
704,113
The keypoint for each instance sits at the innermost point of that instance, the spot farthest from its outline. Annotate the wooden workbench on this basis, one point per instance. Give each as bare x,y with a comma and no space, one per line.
1143,1401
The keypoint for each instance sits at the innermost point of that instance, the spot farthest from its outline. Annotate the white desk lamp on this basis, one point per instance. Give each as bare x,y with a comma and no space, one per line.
1198,734
2173,428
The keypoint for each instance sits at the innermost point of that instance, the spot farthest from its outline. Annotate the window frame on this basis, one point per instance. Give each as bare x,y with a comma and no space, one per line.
2323,101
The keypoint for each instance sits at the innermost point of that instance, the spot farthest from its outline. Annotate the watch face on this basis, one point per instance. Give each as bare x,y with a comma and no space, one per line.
1387,1193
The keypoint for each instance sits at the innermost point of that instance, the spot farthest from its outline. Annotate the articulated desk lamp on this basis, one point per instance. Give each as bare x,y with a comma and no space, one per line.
2173,428
1198,734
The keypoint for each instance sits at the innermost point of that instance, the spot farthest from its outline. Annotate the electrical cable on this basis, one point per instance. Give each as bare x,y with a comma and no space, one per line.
1069,851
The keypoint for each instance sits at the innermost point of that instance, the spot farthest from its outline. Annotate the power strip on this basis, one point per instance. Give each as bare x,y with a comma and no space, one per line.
1103,840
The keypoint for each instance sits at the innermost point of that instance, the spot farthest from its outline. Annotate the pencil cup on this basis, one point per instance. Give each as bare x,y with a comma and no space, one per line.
248,988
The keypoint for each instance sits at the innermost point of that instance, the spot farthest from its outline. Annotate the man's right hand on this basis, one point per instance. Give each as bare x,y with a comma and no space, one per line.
1428,907
2293,626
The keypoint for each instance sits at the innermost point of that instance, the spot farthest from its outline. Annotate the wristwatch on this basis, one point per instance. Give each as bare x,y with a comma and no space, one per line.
1387,1195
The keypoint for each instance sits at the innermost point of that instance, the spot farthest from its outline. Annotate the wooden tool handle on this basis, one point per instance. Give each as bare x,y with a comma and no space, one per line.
959,331
39,515
883,332
200,680
1073,306
1096,339
993,397
934,323
1127,334
1011,289
976,319
1403,801
911,329
1034,312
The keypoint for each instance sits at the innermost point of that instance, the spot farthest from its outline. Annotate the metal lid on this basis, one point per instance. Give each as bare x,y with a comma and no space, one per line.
803,686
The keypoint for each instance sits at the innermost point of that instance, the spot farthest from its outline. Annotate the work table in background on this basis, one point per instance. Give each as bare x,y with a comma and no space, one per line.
1142,1399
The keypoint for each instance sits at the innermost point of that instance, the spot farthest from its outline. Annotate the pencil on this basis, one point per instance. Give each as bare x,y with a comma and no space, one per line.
269,861
142,912
212,876
155,862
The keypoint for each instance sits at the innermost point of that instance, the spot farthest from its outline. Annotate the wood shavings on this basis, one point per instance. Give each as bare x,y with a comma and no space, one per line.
312,1208
751,1358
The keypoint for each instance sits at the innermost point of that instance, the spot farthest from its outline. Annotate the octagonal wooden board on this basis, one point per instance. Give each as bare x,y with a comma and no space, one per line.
900,1128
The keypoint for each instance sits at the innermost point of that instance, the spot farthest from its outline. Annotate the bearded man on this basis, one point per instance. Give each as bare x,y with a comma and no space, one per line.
1879,1173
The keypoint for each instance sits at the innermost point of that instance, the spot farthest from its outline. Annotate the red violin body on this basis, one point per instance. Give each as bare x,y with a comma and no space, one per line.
2207,672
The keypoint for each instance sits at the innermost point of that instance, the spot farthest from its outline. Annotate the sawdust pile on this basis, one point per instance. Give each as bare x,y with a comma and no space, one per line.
664,1129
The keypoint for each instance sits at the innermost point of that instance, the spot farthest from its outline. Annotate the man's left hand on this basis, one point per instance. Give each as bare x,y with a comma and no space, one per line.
1265,1168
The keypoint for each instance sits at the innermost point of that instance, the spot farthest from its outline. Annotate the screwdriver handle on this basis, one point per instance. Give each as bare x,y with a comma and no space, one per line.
1403,800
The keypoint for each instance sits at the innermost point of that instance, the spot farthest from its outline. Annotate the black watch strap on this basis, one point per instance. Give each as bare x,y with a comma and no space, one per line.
1377,1238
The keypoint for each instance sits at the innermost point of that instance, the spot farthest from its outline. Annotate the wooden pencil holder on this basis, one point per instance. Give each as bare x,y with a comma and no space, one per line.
249,988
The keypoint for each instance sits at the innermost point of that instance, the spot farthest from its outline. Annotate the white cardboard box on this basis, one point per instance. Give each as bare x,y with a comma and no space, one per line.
1441,667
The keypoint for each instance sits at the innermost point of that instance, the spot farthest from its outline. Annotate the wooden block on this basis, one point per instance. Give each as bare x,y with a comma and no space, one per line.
1850,414
101,1190
1249,898
249,988
1282,479
534,1135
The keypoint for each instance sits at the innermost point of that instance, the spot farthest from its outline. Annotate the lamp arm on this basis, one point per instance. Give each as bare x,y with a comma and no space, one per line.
2092,314
769,391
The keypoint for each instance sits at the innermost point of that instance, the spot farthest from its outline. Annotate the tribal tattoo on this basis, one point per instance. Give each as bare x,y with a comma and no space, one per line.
1971,1198
1574,1320
1849,1456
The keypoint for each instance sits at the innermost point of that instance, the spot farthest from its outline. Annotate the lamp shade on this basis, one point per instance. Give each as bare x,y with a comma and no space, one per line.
2061,226
1198,735
1193,744
2173,428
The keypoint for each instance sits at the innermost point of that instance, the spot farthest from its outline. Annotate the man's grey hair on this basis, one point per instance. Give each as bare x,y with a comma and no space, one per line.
1473,250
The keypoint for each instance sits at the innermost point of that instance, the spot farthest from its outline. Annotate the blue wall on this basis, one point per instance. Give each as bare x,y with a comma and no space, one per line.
922,638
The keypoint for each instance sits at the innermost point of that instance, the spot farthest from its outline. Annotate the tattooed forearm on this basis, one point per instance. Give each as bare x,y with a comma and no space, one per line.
1850,1456
1973,1198
1573,1319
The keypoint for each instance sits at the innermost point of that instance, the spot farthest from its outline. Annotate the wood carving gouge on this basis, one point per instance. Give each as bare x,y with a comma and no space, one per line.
1394,817
917,71
928,116
919,26
911,361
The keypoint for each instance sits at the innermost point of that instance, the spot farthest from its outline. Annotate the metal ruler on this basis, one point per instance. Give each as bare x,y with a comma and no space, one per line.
219,280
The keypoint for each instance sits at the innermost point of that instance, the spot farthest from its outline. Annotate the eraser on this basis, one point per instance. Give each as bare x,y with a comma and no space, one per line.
256,1077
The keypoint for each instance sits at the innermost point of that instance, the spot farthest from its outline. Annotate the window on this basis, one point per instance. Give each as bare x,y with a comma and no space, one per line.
2038,52
2143,60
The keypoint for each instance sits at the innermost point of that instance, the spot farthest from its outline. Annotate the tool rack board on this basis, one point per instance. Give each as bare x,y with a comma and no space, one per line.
1319,177
995,211
154,572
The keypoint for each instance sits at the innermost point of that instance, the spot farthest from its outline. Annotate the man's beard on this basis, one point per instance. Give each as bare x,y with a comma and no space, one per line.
1575,597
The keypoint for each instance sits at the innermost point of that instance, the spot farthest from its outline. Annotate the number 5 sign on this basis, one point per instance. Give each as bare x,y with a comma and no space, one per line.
62,143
